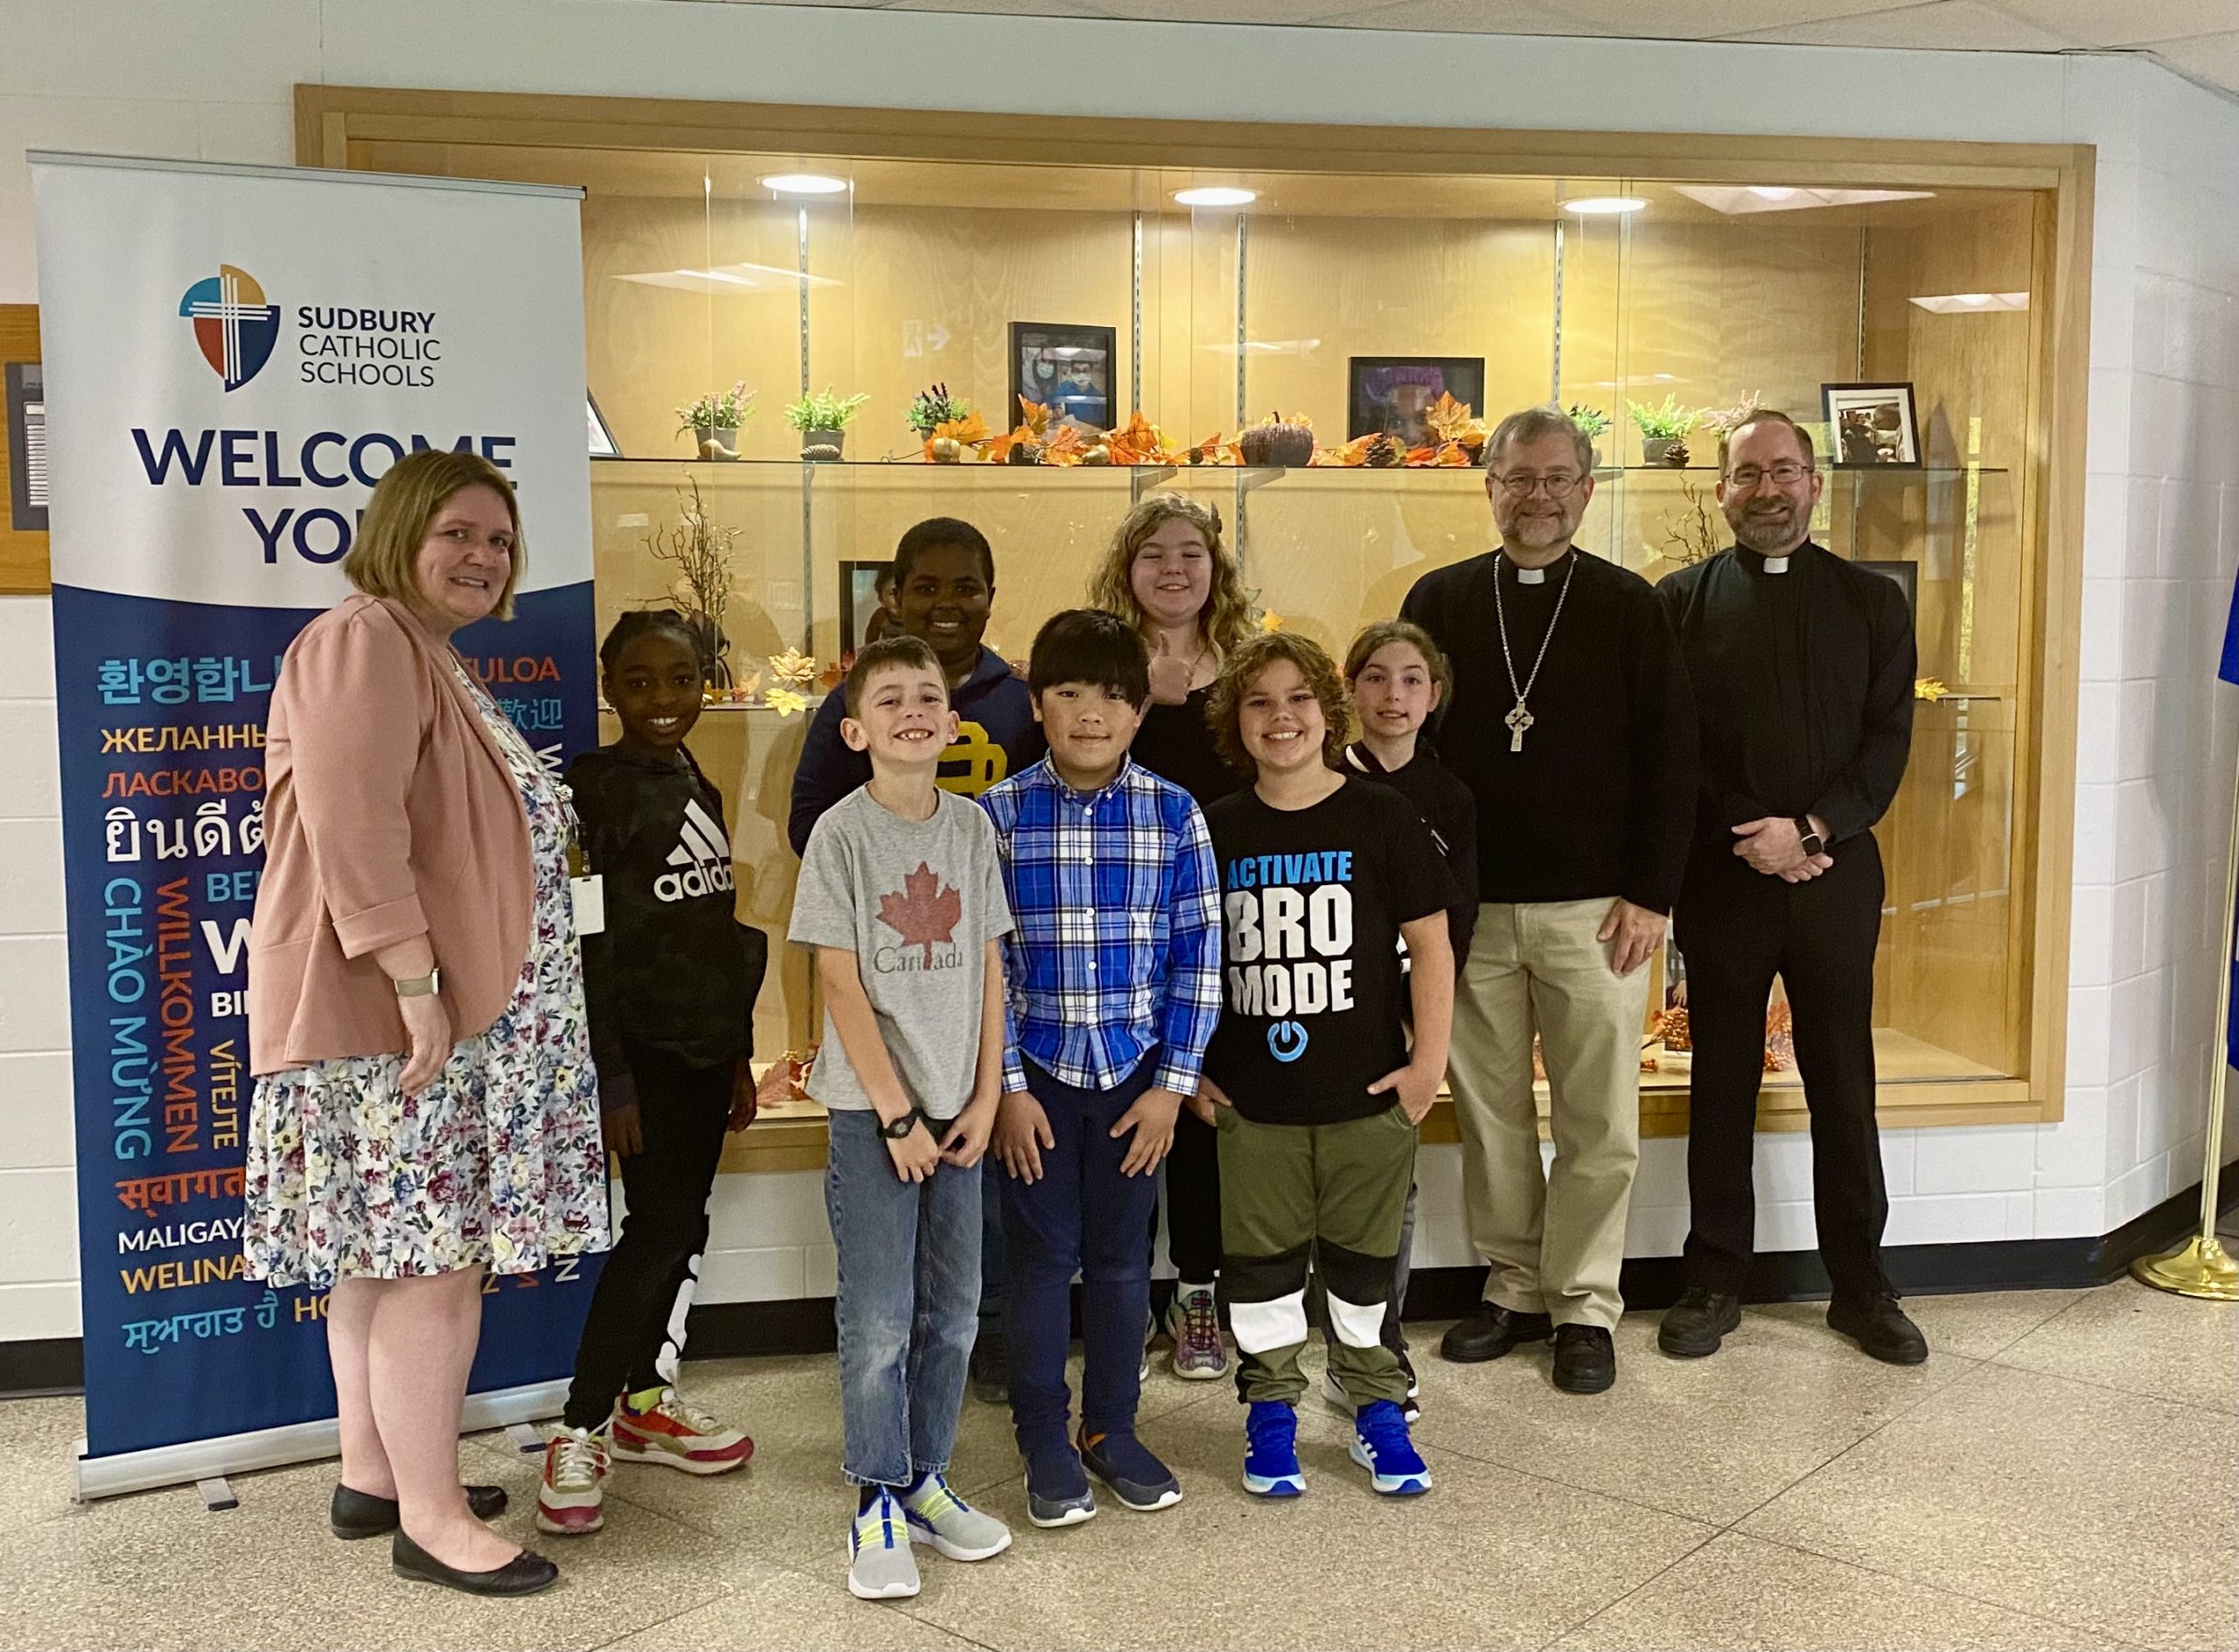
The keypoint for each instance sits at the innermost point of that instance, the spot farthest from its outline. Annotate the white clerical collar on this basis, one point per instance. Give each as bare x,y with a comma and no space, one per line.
1776,565
1531,576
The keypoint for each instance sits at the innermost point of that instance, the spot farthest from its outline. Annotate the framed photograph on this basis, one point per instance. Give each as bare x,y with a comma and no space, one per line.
1070,370
1908,576
1392,393
604,446
863,614
1871,426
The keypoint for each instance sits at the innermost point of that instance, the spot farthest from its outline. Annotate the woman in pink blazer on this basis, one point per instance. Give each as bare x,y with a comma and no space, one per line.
425,1110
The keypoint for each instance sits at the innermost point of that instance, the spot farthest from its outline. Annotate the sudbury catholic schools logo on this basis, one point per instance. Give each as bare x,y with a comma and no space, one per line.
232,324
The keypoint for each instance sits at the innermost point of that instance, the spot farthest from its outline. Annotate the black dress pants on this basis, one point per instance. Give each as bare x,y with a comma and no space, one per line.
639,1306
1192,1173
1739,929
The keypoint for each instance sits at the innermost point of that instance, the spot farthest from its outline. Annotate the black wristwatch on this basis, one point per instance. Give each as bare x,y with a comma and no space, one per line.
902,1126
1813,843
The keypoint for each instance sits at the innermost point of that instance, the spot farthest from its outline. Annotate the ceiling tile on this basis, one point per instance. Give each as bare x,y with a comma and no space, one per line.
1705,19
2212,57
2135,22
1463,16
1947,25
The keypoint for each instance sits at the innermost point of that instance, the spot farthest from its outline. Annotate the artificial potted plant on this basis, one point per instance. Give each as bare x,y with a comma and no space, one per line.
822,418
714,419
1664,430
1593,422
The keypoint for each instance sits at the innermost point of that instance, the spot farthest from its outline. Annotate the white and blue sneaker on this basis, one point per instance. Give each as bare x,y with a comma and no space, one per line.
1381,1446
880,1565
1271,1450
950,1526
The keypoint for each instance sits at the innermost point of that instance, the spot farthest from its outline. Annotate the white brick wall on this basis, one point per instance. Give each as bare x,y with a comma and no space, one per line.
214,79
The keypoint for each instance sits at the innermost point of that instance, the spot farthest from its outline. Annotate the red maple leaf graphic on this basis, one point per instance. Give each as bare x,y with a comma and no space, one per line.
922,911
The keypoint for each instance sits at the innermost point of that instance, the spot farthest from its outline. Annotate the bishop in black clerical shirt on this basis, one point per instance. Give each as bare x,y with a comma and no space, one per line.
1803,667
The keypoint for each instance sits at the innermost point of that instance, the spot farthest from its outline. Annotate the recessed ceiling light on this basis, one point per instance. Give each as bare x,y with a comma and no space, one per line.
1604,205
805,184
1972,303
1738,199
1216,195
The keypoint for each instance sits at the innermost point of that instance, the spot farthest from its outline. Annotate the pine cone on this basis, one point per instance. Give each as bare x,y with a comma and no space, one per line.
1676,456
1385,452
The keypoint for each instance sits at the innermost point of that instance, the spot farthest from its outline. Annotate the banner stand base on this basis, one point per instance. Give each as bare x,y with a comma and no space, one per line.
216,1495
202,1460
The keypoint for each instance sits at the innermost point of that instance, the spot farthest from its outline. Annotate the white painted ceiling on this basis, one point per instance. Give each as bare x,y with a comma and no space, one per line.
2199,38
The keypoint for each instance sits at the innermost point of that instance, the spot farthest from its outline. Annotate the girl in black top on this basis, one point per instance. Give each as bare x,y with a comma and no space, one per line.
1399,678
670,983
1168,575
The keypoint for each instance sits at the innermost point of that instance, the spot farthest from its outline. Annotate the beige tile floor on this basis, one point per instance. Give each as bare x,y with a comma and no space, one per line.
2060,1474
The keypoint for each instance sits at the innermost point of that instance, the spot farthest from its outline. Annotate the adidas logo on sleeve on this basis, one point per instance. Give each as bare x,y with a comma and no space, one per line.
703,852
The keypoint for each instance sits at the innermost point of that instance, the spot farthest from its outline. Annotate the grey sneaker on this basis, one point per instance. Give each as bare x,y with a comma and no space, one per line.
951,1526
881,1566
1199,1354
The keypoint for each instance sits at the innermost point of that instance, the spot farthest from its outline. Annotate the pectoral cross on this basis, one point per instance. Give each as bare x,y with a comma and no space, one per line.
1517,721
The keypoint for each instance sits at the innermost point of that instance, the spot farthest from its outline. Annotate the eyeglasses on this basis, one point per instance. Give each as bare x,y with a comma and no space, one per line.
1786,474
1560,485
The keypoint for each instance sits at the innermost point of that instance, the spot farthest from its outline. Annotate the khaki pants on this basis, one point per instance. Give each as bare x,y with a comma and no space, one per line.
1556,1242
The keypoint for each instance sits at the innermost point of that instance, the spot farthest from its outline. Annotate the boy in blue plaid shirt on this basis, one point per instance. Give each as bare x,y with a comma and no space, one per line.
1114,978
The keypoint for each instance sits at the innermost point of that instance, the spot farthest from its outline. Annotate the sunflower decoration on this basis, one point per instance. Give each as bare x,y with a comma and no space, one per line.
1930,689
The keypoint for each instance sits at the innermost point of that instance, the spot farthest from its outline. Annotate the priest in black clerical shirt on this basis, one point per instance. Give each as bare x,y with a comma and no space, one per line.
1803,667
1571,724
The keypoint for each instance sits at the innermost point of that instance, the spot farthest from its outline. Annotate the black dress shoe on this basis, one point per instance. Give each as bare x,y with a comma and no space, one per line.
1586,1360
991,1368
1878,1325
1698,1322
525,1573
356,1514
1489,1331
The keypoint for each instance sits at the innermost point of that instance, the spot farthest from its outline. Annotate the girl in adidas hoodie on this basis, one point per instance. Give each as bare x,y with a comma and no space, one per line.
670,982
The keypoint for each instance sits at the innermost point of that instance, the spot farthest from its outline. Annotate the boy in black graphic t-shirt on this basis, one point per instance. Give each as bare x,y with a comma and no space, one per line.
1321,877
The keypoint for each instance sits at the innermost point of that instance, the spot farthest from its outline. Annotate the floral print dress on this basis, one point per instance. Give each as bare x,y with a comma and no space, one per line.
497,1164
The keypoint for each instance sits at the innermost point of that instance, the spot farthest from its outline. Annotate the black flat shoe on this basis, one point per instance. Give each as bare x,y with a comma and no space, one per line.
1695,1325
525,1573
1489,1331
1586,1360
1880,1327
990,1368
356,1514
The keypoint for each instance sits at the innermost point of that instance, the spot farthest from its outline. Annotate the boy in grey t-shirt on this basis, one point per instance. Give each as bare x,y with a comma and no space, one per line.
901,895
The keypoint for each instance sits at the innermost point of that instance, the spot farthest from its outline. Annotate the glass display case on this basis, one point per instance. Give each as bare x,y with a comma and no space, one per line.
1341,298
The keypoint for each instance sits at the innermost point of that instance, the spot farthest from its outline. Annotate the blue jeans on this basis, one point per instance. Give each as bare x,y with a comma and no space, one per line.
1082,1216
909,1269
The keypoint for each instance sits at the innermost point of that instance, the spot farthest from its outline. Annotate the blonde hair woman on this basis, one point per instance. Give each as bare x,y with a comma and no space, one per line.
1168,575
425,1108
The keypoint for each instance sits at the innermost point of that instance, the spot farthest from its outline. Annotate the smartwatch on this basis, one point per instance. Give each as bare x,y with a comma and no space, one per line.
902,1126
419,986
1813,843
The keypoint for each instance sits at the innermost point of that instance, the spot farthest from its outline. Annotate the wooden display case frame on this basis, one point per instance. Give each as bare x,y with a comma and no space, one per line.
329,119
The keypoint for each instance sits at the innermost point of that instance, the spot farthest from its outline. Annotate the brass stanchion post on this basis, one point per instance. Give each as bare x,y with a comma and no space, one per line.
2201,1267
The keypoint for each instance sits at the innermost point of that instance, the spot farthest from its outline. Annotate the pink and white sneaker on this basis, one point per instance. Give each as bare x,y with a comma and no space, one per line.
571,1501
675,1432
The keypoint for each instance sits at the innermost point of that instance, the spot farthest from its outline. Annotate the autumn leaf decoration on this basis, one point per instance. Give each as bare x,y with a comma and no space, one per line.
922,911
1449,420
1139,443
1034,417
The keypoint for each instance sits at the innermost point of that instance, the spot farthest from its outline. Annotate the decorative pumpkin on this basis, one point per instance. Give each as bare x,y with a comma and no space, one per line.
944,450
1098,455
1277,441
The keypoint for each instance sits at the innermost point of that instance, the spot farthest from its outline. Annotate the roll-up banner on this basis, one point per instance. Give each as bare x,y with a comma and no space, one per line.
233,355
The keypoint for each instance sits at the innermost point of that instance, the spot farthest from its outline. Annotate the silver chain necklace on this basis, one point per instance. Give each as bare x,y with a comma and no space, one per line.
1520,718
